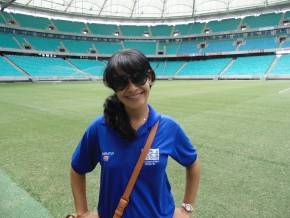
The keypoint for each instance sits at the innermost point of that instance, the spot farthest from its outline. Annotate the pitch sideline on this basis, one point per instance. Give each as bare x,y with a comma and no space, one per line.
284,91
16,202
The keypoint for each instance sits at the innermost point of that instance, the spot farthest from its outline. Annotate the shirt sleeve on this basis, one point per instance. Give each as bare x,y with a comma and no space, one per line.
183,151
86,155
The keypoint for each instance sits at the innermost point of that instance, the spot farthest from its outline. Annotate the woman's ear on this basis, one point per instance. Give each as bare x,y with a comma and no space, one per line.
150,75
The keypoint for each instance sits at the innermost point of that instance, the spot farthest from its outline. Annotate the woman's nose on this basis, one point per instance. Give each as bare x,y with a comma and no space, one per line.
131,85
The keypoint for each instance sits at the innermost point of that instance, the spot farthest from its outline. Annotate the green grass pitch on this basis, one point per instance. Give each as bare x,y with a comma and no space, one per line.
241,130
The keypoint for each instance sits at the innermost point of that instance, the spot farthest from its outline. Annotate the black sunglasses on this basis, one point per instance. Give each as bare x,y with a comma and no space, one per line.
118,83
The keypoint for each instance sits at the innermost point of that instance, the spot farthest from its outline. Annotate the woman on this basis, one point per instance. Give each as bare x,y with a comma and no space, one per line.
116,139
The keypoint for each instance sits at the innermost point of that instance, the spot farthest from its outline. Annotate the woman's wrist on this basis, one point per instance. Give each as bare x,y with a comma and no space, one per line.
187,207
82,214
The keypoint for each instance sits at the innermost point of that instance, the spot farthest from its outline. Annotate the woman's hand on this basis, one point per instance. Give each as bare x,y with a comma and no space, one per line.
181,213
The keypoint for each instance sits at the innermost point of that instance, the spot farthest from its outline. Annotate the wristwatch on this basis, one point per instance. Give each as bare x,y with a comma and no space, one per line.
187,207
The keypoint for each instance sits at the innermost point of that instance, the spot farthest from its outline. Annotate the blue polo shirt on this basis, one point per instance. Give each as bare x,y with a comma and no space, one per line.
151,196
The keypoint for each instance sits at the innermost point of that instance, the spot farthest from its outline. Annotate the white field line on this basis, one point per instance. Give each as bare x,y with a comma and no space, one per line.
284,91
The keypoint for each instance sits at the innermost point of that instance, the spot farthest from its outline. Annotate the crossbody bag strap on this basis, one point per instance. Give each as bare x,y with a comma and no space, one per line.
125,197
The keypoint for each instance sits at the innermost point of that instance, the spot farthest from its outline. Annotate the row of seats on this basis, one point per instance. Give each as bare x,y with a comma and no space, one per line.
45,67
225,25
148,47
74,68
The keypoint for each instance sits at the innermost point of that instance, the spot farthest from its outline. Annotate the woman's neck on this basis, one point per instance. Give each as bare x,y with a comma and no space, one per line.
138,116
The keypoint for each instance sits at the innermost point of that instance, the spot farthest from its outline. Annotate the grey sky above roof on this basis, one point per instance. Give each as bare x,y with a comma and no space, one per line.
144,8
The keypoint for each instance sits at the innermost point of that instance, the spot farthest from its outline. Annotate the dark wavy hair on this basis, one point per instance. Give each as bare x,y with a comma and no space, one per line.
130,63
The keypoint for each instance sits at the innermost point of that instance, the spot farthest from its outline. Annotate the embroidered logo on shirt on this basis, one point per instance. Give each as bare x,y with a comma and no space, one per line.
107,155
152,157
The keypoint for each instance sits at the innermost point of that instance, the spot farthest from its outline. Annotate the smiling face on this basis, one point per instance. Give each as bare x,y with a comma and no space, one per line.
130,75
135,96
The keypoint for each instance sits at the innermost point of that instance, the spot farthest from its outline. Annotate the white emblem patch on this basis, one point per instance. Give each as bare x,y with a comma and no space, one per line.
152,157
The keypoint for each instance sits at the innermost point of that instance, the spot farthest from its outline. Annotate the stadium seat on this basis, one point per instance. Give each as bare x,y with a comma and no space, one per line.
90,67
32,22
225,25
282,66
45,66
147,47
264,20
7,70
210,67
133,30
253,65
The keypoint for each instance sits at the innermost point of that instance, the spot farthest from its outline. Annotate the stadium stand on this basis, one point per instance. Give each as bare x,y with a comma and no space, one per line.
44,44
8,40
161,30
147,47
287,15
129,30
166,68
189,29
210,67
45,66
264,20
259,43
7,70
78,46
69,26
108,48
286,44
219,46
2,21
90,67
8,17
169,48
29,21
282,66
103,29
225,25
189,47
215,48
250,66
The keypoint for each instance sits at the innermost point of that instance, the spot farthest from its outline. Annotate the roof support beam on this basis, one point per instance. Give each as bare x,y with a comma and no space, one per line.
193,8
28,2
134,5
102,8
6,4
163,8
68,5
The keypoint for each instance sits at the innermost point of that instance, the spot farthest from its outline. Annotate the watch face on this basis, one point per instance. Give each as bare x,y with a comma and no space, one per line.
187,207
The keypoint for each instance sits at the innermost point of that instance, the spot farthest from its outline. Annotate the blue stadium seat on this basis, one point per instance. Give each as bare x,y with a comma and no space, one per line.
259,43
134,30
147,47
210,67
91,67
224,25
253,65
8,70
7,41
45,66
32,22
219,46
282,66
264,20
103,29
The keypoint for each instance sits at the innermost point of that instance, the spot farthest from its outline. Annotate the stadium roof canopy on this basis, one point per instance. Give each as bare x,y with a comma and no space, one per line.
143,9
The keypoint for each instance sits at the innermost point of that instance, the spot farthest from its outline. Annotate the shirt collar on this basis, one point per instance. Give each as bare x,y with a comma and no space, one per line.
153,117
